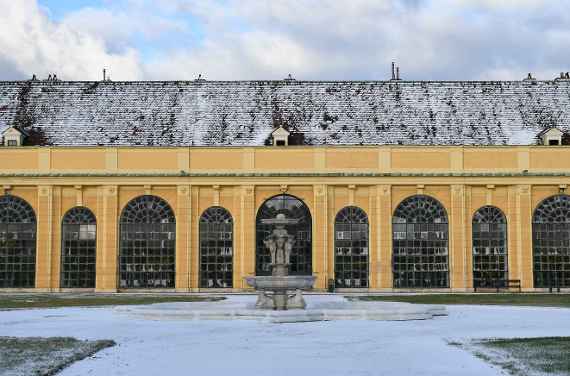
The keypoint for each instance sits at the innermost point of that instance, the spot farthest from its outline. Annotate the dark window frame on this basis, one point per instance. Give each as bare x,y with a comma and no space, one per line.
302,253
78,248
216,248
351,248
490,257
551,242
147,244
420,244
18,243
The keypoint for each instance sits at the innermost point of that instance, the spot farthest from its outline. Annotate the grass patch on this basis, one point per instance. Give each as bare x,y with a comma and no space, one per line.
526,356
44,356
533,300
14,301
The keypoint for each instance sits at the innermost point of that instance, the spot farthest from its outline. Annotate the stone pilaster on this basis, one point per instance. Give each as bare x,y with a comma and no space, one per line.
468,239
194,240
383,268
44,237
183,237
524,234
244,251
320,240
57,216
457,244
108,240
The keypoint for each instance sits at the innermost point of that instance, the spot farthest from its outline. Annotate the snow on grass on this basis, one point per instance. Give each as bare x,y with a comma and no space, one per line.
524,356
149,347
44,356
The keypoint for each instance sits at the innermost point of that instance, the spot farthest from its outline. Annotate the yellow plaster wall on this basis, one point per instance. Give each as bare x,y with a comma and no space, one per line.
19,159
77,159
242,195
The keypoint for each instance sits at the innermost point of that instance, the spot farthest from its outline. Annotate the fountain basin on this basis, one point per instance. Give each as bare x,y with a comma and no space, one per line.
286,283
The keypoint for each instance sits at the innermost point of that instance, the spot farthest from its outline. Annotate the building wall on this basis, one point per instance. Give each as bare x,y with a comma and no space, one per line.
376,179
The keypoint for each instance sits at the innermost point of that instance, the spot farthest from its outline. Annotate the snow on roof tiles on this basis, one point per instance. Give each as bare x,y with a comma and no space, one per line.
244,113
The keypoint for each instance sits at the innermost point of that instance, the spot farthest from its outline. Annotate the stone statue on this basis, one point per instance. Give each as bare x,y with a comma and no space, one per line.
280,244
280,291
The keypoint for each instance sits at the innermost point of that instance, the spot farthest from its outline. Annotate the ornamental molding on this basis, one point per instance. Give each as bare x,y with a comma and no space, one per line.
288,174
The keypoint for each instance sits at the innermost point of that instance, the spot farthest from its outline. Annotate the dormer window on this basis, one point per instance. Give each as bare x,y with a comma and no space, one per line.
280,137
551,136
13,137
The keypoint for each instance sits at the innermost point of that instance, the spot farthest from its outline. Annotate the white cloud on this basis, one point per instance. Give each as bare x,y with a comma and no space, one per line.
32,44
117,27
311,39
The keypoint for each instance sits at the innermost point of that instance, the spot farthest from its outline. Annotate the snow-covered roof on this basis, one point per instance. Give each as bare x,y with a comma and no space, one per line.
244,113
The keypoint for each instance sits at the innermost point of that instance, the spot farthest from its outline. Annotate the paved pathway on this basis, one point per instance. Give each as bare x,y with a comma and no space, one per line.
212,348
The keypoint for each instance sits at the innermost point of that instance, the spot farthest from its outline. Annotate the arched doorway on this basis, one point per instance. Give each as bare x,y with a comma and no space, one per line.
78,248
551,242
351,248
17,243
420,244
147,249
490,256
216,248
299,213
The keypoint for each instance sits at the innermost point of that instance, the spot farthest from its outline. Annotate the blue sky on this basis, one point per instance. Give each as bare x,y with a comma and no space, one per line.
261,39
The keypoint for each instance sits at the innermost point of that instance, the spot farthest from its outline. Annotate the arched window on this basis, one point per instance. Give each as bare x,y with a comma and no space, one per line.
420,244
17,243
351,248
490,264
216,248
78,248
295,210
148,244
551,242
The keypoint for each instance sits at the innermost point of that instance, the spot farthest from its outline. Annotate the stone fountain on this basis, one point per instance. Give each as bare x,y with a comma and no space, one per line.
280,291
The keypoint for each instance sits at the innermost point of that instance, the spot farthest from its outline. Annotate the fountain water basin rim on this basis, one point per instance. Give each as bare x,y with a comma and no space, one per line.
288,283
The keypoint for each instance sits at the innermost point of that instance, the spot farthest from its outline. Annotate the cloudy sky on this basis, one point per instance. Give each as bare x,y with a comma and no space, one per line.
268,39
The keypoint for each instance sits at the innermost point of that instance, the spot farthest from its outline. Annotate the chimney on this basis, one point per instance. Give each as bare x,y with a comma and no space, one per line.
393,71
104,74
398,73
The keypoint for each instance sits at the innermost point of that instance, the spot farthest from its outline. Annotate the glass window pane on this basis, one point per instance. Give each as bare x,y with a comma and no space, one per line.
420,247
301,255
147,246
216,248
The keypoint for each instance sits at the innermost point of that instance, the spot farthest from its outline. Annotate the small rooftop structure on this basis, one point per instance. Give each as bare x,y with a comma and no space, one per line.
551,136
13,136
280,137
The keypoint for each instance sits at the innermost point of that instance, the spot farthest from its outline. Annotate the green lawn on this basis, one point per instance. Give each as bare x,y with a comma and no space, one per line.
12,301
44,356
524,356
540,300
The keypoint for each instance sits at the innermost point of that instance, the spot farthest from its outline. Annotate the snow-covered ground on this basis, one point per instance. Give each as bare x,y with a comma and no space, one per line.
243,347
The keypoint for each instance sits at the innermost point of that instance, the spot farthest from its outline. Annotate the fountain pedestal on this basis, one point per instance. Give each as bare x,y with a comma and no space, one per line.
280,291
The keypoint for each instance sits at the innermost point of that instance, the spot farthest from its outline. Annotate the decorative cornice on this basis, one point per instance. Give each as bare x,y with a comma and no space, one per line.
283,174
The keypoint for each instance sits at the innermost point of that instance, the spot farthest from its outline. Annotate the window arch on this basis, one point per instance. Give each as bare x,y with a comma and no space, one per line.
147,244
294,209
216,248
78,248
17,243
551,242
351,248
420,244
490,263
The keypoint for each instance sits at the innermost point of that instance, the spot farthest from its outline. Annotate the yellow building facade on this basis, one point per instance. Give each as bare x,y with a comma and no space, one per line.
374,179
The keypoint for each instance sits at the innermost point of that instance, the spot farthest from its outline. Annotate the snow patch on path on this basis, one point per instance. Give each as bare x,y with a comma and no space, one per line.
257,348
